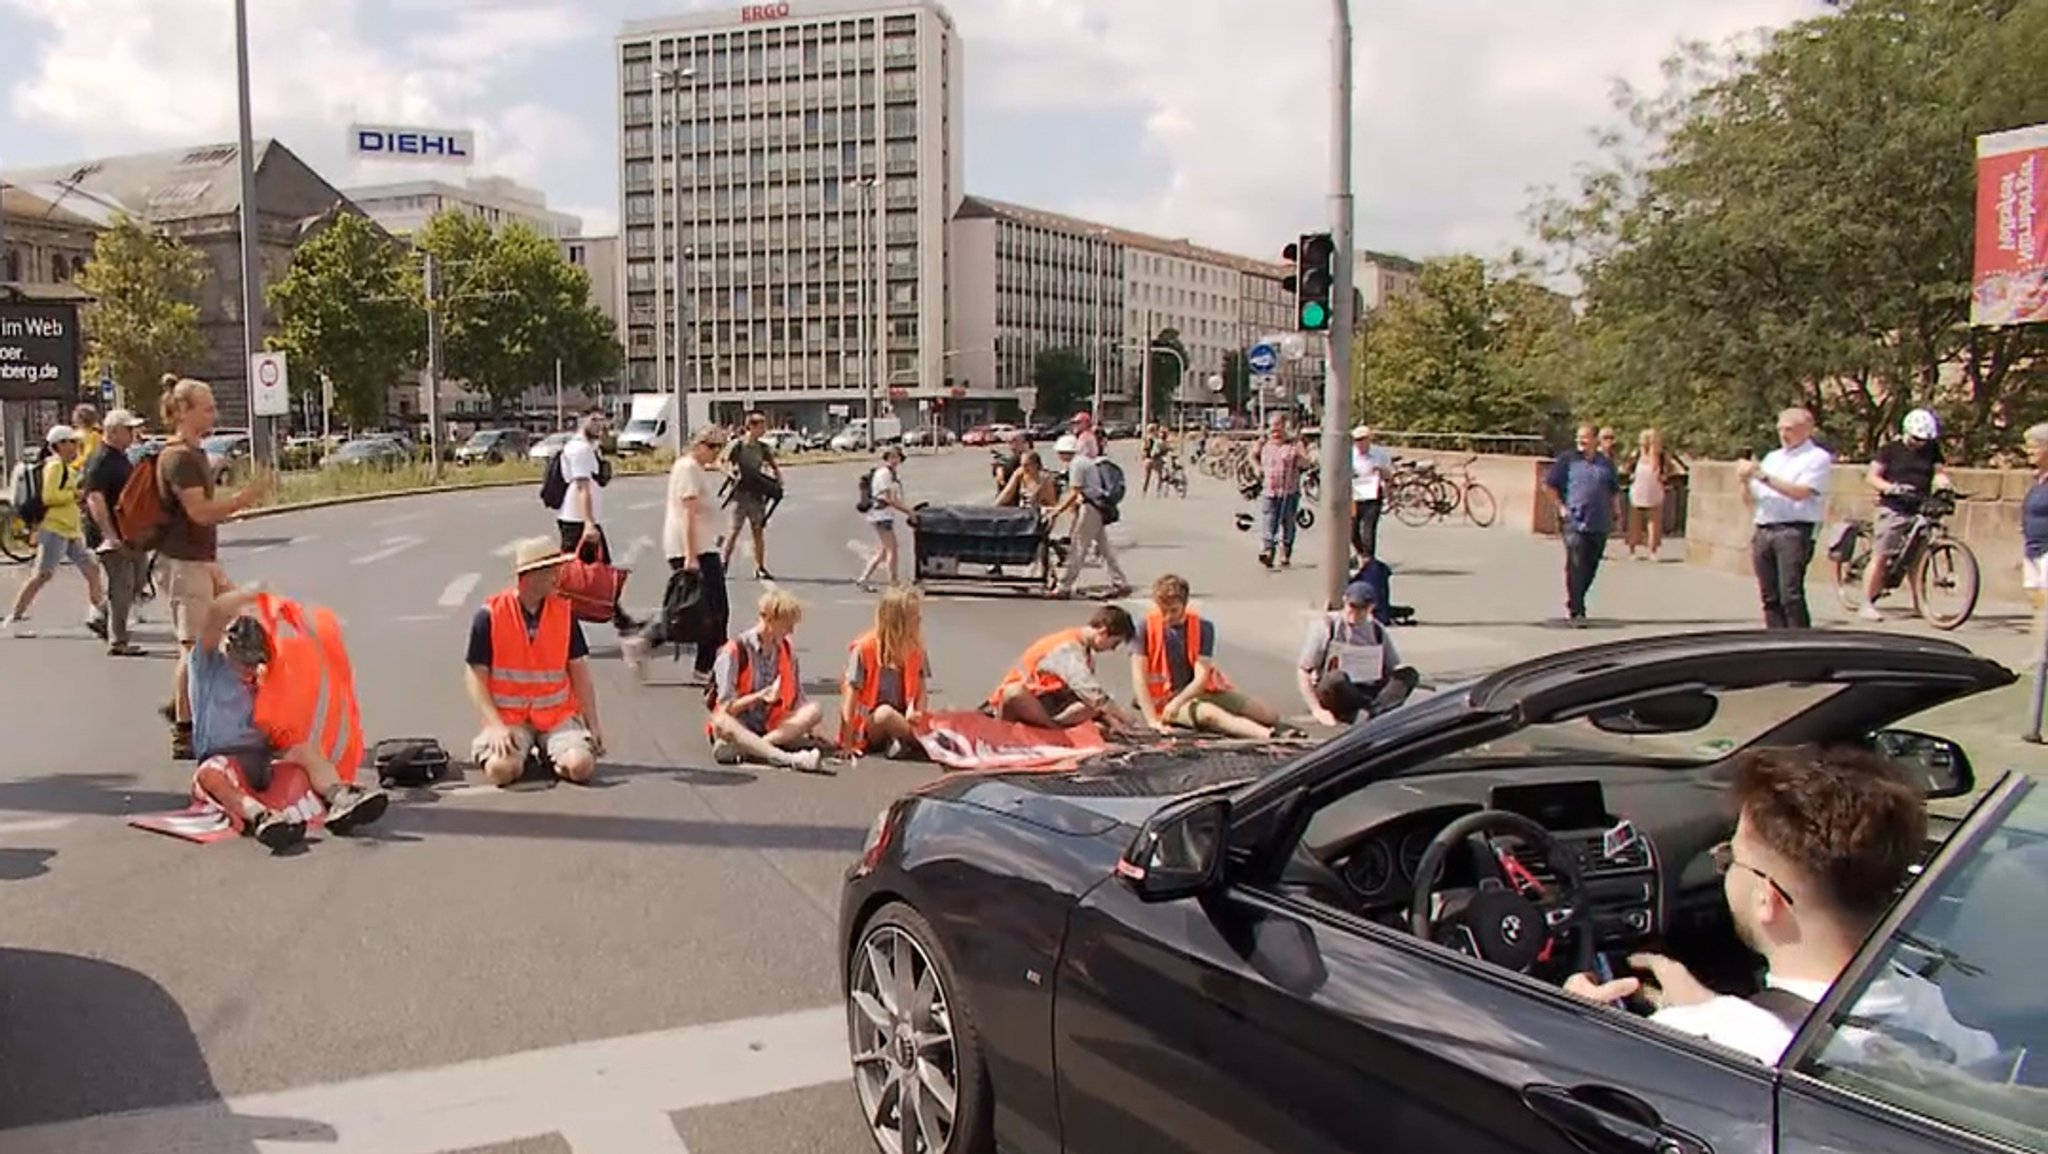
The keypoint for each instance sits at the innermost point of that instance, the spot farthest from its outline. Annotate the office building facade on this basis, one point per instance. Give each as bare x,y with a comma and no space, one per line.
787,175
403,208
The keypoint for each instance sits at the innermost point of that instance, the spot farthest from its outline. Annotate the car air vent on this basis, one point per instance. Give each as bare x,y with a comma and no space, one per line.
1533,859
1631,859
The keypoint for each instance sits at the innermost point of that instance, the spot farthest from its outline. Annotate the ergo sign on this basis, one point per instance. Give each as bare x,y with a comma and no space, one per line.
753,12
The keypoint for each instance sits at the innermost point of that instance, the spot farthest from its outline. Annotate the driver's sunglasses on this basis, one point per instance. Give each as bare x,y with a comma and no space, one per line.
1724,860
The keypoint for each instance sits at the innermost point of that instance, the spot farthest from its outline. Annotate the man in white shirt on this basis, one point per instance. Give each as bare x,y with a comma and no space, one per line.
1787,496
1823,840
1368,461
581,517
690,542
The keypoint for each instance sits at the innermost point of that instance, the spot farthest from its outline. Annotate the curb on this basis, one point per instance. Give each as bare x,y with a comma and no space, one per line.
461,487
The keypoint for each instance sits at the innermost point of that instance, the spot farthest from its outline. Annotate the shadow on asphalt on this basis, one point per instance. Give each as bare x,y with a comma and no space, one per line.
681,774
19,865
90,794
85,1037
443,820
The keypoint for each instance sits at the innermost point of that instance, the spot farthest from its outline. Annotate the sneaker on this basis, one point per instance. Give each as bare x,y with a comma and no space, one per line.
634,650
279,831
809,761
726,753
353,806
126,649
1870,613
97,626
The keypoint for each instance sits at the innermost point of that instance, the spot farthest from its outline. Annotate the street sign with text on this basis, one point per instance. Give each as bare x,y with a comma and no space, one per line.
39,351
273,386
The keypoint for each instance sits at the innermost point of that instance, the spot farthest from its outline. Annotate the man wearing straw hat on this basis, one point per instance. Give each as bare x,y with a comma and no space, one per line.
529,675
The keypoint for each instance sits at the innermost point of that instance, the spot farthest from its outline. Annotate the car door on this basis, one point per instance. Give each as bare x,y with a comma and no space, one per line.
1249,1021
1974,929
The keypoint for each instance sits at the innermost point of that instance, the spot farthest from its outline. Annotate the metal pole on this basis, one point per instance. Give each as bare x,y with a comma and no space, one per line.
252,267
558,392
433,286
1145,382
1337,363
870,368
682,417
660,244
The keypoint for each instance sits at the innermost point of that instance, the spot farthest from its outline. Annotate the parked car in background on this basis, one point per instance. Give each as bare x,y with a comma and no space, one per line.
1119,430
548,447
493,446
978,435
785,442
374,452
228,454
931,435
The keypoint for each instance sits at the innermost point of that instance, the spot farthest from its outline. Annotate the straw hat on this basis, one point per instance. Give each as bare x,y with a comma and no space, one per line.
537,553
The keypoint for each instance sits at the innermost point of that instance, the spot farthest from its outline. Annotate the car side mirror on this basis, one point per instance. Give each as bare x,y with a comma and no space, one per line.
1179,853
1939,766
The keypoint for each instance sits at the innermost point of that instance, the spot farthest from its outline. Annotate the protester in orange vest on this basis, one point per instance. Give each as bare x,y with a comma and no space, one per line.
758,709
1053,685
251,714
528,674
883,693
1174,675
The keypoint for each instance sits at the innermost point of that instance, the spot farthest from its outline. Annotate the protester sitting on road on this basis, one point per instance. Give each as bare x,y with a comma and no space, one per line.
230,690
1349,669
1174,675
528,674
1054,686
887,679
758,709
1824,839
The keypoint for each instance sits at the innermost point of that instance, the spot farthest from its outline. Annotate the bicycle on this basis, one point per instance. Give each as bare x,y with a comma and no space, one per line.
17,540
1928,560
1477,501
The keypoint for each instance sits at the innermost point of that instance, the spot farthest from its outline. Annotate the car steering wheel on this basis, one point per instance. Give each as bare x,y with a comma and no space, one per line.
1513,920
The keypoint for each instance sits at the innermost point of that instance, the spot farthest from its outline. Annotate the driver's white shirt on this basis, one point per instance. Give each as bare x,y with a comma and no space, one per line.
1906,1000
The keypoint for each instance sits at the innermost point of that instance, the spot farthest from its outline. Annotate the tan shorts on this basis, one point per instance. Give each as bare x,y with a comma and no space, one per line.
563,739
1229,701
190,587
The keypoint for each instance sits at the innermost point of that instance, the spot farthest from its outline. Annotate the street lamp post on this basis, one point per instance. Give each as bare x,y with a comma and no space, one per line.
673,78
1336,450
252,267
864,187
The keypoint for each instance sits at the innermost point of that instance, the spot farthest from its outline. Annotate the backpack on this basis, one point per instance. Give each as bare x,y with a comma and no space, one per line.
139,512
864,499
1106,491
554,484
409,762
28,490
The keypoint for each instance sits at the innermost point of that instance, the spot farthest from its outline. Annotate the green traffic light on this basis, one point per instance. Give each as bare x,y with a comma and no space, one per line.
1315,315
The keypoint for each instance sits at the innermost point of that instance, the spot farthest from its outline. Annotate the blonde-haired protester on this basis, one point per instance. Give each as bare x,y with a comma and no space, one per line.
190,547
1650,468
2034,562
885,689
758,709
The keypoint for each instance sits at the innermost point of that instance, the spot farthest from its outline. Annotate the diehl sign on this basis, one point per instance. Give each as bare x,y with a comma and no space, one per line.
753,12
38,352
412,145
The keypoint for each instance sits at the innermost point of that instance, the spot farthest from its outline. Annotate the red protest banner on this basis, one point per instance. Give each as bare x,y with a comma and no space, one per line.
2010,285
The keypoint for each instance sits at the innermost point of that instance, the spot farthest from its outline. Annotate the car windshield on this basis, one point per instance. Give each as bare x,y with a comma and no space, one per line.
221,442
642,425
486,439
1743,716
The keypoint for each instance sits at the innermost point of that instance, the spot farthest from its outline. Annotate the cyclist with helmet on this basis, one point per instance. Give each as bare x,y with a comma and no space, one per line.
1901,473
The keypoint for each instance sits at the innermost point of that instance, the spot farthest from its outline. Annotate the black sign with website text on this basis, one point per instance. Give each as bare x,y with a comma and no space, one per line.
38,352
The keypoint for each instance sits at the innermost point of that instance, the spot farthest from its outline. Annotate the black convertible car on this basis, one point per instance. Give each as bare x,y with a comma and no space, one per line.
1255,949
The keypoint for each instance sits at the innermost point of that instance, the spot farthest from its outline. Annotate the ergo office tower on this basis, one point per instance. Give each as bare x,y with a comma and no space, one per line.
794,119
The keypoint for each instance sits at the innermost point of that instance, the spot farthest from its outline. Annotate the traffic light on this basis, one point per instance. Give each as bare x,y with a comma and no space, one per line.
1313,257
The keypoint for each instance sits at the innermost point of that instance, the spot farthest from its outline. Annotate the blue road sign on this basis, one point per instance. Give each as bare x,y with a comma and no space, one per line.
106,387
1263,359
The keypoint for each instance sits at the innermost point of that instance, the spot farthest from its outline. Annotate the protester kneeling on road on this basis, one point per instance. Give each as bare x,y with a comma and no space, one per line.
528,674
1349,668
1174,674
1054,686
758,709
242,715
887,673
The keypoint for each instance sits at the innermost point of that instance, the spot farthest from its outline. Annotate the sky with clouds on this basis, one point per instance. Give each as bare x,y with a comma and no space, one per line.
1189,118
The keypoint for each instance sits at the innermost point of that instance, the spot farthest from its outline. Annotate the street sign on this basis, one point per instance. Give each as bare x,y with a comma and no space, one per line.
1027,398
1263,359
272,385
39,351
106,388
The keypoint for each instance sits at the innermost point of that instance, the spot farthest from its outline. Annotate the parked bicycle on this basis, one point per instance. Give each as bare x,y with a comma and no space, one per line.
1929,563
1418,492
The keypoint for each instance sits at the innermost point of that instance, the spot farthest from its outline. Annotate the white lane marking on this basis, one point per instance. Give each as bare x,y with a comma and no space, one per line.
393,546
33,825
627,1134
471,788
412,618
401,519
643,506
509,547
456,595
567,1089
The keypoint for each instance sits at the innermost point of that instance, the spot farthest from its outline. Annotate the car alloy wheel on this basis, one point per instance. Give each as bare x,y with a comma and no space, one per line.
900,1026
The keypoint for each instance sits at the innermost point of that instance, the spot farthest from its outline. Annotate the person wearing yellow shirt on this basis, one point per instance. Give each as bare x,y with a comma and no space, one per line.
60,535
85,421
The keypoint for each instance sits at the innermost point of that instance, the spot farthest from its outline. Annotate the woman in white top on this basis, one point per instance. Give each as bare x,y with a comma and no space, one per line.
885,504
1649,468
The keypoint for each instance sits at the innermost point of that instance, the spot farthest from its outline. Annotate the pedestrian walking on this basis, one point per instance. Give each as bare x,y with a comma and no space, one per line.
1787,495
1585,486
126,567
1095,492
1369,464
60,533
756,486
696,607
580,519
1281,460
885,506
1650,469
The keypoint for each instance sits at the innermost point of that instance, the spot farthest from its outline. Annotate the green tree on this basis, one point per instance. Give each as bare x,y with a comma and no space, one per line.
1063,380
1792,223
349,309
1166,371
1464,353
512,307
1237,382
143,321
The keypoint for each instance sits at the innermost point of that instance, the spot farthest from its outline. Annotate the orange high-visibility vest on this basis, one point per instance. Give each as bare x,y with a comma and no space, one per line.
1026,671
307,691
868,649
1159,672
743,681
529,676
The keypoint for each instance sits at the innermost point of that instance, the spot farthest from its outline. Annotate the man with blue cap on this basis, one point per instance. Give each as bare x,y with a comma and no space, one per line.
1349,668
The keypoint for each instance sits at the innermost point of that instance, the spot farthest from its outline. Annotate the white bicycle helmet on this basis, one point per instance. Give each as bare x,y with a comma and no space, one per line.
1921,425
1068,443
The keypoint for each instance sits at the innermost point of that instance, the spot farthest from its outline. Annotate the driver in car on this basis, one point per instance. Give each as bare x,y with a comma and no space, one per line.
1824,839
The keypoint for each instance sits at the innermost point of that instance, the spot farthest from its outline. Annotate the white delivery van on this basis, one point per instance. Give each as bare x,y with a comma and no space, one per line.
650,419
854,437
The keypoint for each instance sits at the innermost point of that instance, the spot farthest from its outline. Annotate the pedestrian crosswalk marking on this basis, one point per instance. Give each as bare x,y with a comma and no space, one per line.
456,595
392,547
